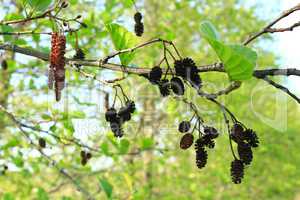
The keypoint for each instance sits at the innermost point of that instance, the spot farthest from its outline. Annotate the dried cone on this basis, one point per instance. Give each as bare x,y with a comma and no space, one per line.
57,64
237,171
186,141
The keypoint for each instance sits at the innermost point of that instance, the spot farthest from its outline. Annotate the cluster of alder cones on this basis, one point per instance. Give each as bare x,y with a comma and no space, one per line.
117,118
56,74
246,139
185,70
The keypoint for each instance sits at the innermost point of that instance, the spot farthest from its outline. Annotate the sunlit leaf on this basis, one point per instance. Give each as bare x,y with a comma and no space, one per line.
107,187
122,39
39,5
239,61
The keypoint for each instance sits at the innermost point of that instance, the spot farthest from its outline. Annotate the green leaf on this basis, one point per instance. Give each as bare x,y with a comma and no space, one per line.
122,39
11,143
239,61
124,146
127,3
107,187
39,5
18,161
105,148
147,143
208,30
6,29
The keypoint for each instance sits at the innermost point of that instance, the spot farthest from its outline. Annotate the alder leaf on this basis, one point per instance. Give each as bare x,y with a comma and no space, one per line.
107,187
239,61
122,39
39,5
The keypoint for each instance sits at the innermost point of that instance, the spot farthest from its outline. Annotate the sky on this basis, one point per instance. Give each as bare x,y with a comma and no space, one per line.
288,44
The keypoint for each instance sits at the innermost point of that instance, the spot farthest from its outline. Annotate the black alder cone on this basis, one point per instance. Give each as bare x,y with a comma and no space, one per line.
155,74
88,155
177,86
201,154
251,137
207,141
211,132
124,114
80,55
187,69
138,17
179,68
184,126
186,141
237,171
116,128
237,133
139,29
4,65
42,142
164,87
131,106
82,154
84,161
111,115
245,153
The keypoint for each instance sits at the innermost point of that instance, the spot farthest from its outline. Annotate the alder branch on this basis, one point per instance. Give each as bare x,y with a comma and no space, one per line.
36,32
233,86
216,67
43,15
282,88
280,30
276,72
268,28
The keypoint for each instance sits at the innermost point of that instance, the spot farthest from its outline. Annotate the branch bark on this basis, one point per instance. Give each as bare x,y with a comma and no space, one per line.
216,67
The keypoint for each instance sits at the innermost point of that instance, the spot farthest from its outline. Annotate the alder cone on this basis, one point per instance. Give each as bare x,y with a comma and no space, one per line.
237,171
4,65
124,114
186,141
82,154
155,74
42,142
184,126
251,137
138,17
139,29
84,161
164,87
211,132
88,155
177,86
245,153
201,154
131,106
111,115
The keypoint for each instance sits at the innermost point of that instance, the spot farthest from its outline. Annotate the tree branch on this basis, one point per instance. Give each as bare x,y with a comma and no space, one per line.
268,28
282,88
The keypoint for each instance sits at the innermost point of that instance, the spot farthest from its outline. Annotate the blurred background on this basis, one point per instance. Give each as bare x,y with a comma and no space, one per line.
148,163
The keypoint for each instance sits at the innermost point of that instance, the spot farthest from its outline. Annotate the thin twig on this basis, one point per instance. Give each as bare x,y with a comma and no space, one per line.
282,88
233,86
268,29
